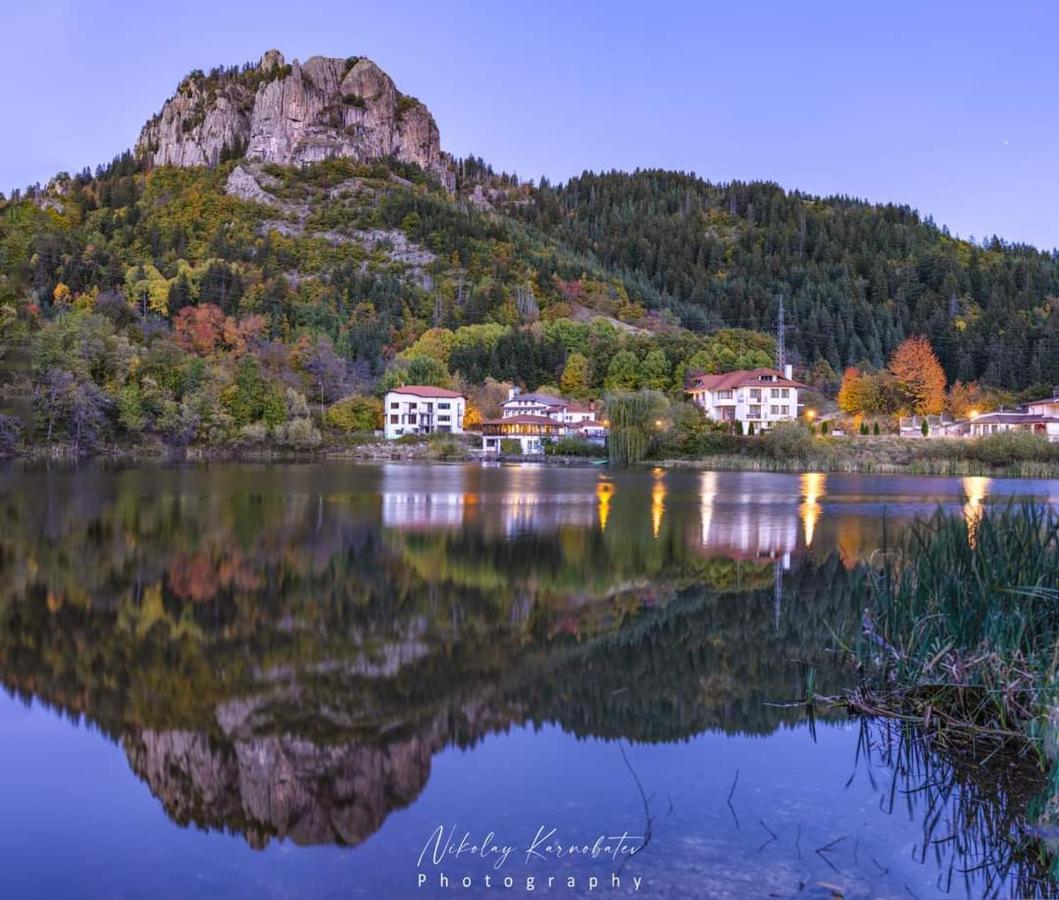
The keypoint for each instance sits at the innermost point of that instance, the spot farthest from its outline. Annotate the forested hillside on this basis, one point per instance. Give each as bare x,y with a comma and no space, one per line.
212,304
856,277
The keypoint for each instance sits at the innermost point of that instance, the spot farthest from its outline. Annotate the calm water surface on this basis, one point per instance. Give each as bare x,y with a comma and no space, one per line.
283,681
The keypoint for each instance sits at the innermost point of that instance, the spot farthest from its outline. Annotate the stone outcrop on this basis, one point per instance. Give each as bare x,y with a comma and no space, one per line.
292,115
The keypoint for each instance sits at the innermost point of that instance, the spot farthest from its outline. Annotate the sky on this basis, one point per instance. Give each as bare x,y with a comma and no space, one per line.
947,107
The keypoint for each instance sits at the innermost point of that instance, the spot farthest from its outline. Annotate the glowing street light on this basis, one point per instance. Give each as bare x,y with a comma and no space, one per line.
810,414
973,413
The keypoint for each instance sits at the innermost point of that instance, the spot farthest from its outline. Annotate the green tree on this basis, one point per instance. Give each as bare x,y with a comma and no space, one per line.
574,380
636,421
655,370
623,373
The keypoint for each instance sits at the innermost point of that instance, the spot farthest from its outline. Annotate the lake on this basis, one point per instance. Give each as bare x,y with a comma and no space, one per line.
335,680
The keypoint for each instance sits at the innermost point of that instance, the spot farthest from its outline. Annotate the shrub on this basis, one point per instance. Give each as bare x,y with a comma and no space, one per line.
510,446
571,446
254,433
924,428
1010,447
863,427
823,427
691,434
299,433
354,414
446,447
787,440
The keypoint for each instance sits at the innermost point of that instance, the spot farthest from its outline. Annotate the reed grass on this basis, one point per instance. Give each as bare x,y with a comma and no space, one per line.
962,624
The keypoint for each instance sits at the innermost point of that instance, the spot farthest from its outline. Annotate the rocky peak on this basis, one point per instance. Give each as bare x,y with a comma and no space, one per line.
293,114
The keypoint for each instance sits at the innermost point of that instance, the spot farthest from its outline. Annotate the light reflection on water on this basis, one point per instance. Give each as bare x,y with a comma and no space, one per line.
326,660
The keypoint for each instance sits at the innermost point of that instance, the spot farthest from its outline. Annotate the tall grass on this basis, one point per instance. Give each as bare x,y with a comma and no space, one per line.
962,620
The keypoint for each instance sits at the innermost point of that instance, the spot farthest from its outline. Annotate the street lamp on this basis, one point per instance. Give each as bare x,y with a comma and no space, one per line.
973,414
810,414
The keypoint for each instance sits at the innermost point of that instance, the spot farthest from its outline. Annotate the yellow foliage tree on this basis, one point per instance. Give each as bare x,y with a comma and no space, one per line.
61,295
920,375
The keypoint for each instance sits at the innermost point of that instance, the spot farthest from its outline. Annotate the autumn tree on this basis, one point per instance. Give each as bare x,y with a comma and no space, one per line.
920,375
574,380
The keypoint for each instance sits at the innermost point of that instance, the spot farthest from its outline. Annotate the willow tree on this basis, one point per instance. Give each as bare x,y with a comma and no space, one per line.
636,420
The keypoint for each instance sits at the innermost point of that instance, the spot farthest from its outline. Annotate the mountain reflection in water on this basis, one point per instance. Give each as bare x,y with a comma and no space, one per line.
281,651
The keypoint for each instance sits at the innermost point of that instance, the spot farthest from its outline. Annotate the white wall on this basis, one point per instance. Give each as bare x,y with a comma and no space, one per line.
411,414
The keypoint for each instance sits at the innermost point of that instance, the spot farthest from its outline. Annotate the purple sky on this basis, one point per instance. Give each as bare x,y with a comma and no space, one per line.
948,107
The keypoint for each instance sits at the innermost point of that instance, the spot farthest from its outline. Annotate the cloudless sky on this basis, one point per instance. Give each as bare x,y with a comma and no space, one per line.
948,107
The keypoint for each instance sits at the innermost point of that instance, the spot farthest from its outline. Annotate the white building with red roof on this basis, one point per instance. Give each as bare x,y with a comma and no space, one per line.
422,409
758,397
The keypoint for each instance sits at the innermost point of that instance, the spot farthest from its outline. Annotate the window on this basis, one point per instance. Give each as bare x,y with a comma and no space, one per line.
443,418
394,419
412,404
412,419
775,392
774,410
785,392
755,393
444,405
785,410
755,412
724,395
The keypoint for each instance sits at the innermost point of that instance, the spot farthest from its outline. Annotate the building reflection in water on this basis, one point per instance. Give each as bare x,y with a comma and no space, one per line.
658,501
813,485
975,489
744,525
604,494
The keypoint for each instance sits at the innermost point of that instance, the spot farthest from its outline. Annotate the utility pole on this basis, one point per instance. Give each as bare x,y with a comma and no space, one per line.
781,338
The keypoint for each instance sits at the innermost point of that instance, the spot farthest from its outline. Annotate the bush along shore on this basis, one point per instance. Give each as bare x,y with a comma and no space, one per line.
960,641
793,448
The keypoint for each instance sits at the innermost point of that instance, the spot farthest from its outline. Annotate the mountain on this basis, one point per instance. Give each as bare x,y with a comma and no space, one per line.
293,114
286,231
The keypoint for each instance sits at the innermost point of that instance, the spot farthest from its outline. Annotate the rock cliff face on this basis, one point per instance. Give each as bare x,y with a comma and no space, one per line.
293,114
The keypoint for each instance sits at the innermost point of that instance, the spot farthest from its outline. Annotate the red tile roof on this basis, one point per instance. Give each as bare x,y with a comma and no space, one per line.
422,390
741,378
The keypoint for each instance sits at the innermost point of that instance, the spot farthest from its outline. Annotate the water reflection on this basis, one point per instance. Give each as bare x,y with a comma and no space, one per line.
658,501
813,484
975,489
282,651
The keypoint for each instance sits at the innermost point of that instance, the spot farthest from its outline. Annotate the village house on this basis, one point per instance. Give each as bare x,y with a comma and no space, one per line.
421,409
535,419
556,408
758,397
1039,417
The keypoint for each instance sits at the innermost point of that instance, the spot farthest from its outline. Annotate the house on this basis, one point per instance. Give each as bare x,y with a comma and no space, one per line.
531,432
556,408
1033,417
758,397
1036,417
535,419
421,409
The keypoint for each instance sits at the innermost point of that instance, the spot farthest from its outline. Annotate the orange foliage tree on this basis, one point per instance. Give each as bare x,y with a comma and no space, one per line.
922,379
